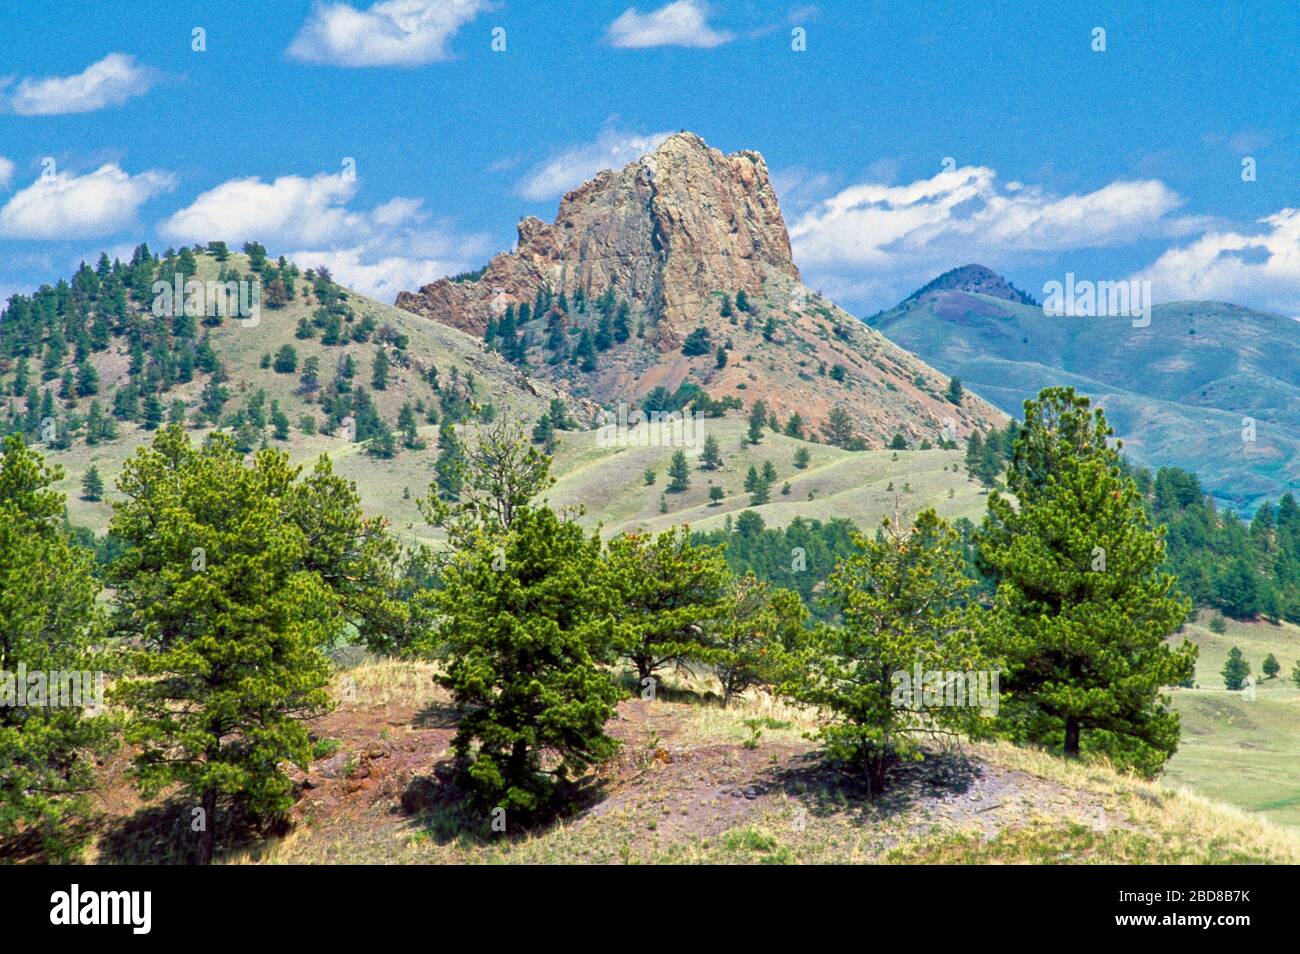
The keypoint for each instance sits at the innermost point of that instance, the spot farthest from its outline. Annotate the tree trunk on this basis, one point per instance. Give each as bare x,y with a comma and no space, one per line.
1071,736
208,837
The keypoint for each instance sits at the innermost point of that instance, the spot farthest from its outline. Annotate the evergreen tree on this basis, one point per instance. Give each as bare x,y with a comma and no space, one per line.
757,420
523,622
665,594
48,622
801,458
711,458
229,622
901,601
379,371
954,393
1235,670
838,429
679,473
1083,605
92,485
408,426
757,626
448,469
1271,667
286,360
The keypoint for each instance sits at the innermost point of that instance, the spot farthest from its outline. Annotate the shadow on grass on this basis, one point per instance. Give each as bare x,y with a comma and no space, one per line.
444,813
666,692
162,835
825,789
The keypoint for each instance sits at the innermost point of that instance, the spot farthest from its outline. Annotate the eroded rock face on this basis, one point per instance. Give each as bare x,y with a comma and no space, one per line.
666,231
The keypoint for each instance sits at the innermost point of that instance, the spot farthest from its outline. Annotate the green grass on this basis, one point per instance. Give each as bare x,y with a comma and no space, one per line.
1234,749
608,482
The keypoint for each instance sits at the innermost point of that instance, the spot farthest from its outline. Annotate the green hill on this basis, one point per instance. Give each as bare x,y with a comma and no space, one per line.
103,320
1176,391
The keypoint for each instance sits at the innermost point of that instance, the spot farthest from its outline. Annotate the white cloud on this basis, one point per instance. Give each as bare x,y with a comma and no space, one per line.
683,23
6,172
390,33
1261,269
572,166
379,251
906,234
110,82
289,210
380,277
67,206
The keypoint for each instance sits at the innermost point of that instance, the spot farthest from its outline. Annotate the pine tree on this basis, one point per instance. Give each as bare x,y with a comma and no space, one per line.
286,360
408,426
448,469
838,429
665,594
757,420
679,473
801,458
92,485
901,600
1271,667
1235,670
1083,605
48,622
229,623
711,457
523,616
758,624
379,371
954,393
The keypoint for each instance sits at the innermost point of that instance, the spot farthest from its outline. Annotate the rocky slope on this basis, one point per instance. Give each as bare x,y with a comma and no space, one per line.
693,243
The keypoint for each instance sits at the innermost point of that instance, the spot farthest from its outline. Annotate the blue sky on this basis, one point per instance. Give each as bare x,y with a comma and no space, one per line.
1115,163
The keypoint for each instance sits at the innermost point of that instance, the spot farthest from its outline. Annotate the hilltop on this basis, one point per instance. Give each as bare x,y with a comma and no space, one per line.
1179,391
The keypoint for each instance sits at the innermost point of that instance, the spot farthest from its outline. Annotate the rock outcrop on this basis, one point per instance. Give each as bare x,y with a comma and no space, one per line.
666,231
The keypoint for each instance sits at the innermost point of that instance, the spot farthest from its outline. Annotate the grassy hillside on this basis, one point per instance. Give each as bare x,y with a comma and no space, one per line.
1234,748
698,783
609,482
1176,391
241,346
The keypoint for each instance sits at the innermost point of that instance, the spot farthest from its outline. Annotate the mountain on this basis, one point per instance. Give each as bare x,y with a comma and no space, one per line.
677,271
1182,391
233,373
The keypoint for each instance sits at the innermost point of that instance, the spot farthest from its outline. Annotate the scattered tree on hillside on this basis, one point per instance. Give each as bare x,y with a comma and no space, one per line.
1235,670
901,604
92,485
1083,605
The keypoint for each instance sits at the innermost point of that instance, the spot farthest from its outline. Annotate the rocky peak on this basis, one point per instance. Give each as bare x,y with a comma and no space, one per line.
665,231
975,279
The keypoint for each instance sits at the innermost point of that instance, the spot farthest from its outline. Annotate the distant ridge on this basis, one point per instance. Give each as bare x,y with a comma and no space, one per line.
976,279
